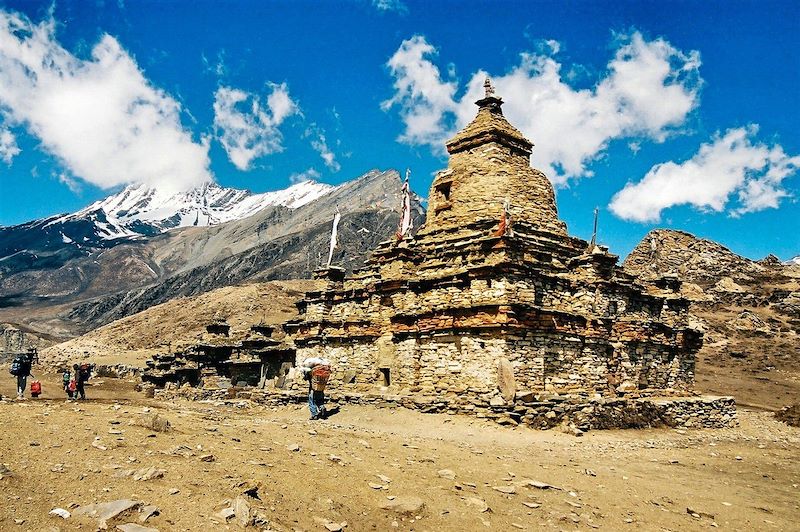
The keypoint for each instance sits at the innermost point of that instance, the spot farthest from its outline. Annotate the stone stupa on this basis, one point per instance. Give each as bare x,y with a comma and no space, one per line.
492,297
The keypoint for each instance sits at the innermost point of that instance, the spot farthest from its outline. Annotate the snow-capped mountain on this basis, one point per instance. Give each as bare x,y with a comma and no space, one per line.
794,261
142,210
135,213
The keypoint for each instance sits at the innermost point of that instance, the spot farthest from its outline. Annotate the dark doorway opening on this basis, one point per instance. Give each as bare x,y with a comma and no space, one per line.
386,378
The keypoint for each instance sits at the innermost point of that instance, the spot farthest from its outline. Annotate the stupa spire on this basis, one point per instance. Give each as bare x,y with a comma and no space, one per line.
488,88
489,126
490,159
490,100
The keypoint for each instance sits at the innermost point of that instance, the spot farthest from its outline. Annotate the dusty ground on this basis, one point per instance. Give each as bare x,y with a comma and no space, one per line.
742,478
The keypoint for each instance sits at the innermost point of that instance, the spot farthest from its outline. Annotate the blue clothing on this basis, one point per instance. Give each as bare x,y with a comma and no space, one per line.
316,402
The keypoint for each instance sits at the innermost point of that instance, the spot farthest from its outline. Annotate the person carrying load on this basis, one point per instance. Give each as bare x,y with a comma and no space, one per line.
316,371
83,373
21,369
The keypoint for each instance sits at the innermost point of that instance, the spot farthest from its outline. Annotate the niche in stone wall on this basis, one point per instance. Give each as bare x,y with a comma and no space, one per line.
385,376
538,295
444,189
442,196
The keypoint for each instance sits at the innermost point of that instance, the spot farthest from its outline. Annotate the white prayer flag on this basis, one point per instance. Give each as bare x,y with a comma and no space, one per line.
333,236
405,219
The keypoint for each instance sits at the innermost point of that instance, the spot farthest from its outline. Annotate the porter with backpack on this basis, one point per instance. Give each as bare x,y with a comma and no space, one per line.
83,373
21,369
316,371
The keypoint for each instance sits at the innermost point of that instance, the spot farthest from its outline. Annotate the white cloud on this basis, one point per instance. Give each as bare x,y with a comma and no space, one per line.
99,116
8,146
320,145
309,175
649,89
390,5
248,129
218,69
70,182
732,163
424,99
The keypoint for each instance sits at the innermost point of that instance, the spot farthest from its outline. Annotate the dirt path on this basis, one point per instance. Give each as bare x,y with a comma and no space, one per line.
63,454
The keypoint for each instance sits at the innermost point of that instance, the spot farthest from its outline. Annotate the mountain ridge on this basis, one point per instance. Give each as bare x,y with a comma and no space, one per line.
71,292
135,212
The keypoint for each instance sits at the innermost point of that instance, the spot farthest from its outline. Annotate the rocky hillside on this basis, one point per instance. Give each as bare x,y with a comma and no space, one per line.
293,256
179,323
750,311
693,259
15,340
277,242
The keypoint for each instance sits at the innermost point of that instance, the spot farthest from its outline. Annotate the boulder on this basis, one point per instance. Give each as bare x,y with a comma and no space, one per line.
404,505
148,473
153,422
505,379
107,511
133,527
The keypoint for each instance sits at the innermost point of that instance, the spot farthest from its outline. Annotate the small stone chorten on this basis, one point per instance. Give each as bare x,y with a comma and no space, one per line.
493,298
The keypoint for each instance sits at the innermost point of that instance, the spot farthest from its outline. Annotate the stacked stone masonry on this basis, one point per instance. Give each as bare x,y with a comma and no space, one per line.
535,411
491,303
442,311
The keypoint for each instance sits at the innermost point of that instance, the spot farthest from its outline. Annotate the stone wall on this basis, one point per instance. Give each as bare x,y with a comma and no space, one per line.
577,413
491,172
540,361
570,332
12,341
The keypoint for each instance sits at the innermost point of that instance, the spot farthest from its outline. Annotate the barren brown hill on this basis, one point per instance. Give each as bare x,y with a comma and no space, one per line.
750,311
179,323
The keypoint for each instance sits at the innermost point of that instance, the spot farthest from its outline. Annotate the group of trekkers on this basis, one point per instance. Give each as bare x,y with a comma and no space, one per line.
316,371
74,382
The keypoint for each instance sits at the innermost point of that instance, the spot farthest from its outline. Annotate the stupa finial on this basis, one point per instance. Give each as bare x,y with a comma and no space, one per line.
488,88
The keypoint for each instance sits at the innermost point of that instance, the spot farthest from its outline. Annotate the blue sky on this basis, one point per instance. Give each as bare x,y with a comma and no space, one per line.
679,115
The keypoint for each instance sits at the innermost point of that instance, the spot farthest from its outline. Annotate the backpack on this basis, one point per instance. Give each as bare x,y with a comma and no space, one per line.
72,386
85,372
319,377
17,365
36,388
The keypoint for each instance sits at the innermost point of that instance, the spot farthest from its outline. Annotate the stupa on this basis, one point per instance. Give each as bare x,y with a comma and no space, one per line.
493,298
493,289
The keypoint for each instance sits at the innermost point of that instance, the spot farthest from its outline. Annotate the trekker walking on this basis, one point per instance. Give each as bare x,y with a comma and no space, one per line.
21,369
66,377
316,371
82,374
